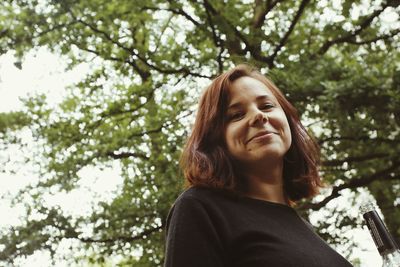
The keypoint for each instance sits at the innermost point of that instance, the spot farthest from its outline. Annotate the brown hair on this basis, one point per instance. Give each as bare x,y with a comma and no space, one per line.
206,161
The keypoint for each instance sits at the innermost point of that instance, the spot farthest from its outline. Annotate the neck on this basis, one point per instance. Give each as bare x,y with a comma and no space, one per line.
266,185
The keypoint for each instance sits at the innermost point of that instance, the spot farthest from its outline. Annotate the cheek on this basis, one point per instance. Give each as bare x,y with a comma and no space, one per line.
289,137
282,124
229,135
232,136
288,134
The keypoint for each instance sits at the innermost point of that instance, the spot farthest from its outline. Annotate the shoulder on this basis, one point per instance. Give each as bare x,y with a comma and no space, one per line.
200,209
201,200
191,207
205,196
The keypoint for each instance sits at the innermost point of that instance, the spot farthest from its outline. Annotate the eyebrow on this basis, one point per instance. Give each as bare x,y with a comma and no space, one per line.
258,98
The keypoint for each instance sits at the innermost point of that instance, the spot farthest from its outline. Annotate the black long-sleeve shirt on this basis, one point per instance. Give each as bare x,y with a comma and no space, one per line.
208,228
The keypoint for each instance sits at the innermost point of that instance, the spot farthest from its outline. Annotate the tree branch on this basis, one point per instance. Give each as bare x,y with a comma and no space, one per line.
373,40
217,41
356,139
261,10
123,155
284,39
143,74
157,130
350,35
355,183
338,162
233,45
56,27
175,11
116,238
132,52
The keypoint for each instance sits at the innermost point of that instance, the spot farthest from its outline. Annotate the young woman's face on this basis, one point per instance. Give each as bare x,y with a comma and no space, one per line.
257,129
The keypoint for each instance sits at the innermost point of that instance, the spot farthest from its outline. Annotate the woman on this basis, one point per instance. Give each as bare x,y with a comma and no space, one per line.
246,162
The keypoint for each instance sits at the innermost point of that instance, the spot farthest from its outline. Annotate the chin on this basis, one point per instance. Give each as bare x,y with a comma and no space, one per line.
262,158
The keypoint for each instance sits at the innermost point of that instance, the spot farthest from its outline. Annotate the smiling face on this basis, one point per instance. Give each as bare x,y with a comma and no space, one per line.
257,130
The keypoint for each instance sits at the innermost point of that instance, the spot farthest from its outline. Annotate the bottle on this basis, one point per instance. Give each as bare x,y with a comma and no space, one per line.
384,241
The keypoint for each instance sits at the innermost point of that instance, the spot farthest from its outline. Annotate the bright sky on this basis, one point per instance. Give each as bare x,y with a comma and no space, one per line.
45,73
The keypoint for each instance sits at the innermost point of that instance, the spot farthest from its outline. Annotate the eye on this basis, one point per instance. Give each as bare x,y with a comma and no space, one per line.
235,116
267,106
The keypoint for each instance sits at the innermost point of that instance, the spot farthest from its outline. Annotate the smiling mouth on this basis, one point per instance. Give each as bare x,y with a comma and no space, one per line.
260,136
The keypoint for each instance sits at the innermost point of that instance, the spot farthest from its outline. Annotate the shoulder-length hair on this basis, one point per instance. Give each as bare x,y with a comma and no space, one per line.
206,161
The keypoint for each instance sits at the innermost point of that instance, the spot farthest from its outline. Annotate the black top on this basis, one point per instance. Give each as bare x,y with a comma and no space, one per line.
208,228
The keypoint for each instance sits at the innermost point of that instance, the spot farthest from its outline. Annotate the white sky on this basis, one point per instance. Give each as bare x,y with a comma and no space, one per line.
45,73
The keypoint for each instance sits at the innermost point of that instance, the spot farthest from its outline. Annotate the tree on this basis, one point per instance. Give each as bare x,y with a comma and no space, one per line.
337,61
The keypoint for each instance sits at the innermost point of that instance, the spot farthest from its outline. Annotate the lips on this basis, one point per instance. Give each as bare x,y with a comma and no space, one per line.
262,133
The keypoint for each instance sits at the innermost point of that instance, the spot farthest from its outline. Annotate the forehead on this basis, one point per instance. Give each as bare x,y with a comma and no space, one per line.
248,88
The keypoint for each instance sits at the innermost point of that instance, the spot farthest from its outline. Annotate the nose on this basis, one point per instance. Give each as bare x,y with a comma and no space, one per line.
258,118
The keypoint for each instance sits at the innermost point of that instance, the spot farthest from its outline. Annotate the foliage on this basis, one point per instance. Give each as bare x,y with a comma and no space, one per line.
337,61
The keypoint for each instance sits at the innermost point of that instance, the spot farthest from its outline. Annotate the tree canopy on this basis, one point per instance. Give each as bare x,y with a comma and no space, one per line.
336,61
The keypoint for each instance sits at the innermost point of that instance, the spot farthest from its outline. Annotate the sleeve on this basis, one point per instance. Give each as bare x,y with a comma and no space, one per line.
192,239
